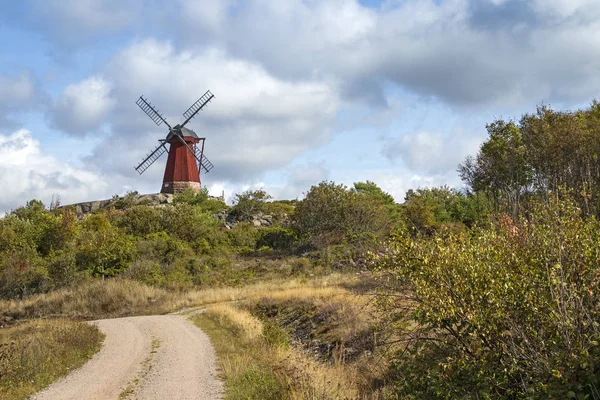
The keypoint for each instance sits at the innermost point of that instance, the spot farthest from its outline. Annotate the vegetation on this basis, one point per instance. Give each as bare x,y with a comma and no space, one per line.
264,344
506,312
34,354
542,154
486,293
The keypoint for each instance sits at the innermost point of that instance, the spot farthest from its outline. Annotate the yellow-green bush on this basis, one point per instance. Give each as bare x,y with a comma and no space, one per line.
510,312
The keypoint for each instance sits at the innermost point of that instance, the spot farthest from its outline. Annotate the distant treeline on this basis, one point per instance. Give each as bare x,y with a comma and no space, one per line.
542,154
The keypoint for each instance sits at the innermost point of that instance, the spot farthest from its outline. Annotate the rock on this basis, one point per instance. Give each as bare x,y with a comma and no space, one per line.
256,222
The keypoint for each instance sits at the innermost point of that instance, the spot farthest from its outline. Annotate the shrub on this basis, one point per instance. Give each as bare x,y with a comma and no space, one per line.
249,203
191,196
23,274
243,237
63,270
511,312
102,249
161,247
141,220
330,214
187,222
277,238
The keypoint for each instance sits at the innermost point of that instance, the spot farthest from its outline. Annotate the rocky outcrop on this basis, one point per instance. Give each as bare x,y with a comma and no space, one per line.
230,221
156,199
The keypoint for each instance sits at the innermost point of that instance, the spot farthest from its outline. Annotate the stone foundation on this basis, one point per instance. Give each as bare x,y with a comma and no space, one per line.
178,187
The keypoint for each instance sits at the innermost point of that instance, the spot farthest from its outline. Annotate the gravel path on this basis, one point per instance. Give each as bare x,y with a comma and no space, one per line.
150,357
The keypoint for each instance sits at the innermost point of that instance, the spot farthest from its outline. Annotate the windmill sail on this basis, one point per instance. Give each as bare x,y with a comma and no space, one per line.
203,162
151,158
200,158
151,112
197,106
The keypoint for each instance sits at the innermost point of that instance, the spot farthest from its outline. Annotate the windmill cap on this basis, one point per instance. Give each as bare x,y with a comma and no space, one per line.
188,132
184,132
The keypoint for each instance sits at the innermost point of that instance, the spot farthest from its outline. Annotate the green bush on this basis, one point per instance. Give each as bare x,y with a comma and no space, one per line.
249,203
330,214
277,238
201,200
243,237
509,312
187,222
141,220
162,248
23,274
63,270
102,249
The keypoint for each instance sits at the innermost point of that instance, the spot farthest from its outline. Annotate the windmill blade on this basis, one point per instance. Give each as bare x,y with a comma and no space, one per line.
151,112
197,106
203,162
151,158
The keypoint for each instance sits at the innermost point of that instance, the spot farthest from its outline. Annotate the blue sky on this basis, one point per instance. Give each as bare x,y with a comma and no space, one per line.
395,91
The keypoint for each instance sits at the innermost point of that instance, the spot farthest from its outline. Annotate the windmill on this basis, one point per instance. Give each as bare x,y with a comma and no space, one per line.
186,150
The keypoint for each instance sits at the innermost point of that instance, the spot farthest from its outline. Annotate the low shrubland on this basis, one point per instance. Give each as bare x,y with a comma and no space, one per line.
121,297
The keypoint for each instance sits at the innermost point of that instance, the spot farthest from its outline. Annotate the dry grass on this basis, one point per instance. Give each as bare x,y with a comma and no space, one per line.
34,354
244,343
120,297
243,357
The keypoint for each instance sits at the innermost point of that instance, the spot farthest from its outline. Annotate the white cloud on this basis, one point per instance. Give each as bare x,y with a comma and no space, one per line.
83,106
26,173
283,70
16,90
432,152
462,51
562,8
255,123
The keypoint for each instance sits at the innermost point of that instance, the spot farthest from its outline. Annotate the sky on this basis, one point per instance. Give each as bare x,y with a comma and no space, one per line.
397,91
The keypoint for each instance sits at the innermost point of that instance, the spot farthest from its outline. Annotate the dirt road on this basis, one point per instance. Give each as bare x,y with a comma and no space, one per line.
149,357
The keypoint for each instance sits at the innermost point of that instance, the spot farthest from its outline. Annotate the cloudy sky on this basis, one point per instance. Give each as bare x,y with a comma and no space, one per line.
397,91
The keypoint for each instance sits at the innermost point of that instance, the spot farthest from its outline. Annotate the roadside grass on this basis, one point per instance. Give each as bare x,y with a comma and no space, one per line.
262,357
243,358
34,354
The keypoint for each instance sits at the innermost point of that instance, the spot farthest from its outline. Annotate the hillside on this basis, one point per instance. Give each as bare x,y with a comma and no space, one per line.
490,292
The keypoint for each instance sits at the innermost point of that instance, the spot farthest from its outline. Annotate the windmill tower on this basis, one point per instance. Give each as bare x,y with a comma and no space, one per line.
186,150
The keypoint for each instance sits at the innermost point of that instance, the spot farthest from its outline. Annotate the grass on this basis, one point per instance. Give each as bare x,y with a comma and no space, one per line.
243,357
262,358
34,354
121,297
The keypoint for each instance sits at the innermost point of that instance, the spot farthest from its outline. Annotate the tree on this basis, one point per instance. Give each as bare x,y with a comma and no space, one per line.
542,154
428,209
371,189
249,203
330,214
501,168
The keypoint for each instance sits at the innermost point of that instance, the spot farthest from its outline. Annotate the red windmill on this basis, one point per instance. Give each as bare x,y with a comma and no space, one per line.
186,149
